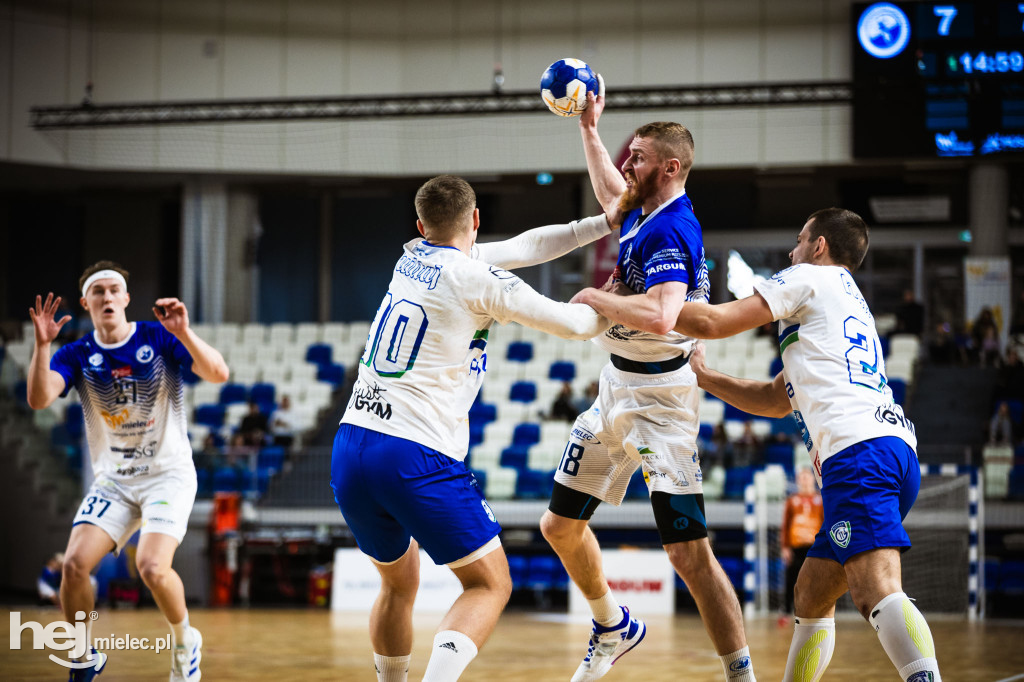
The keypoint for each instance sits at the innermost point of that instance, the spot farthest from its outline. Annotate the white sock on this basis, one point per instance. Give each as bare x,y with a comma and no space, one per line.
607,611
452,653
391,668
814,640
178,631
905,636
738,666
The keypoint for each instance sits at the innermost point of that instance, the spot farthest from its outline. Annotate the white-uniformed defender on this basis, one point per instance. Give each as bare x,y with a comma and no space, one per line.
398,469
130,379
862,446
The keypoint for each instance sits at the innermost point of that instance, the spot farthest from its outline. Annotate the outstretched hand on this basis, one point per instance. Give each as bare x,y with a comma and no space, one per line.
46,328
172,314
595,105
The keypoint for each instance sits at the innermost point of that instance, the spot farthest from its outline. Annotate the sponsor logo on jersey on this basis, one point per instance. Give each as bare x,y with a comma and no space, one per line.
664,267
487,509
501,274
681,479
621,333
121,372
114,420
145,354
681,523
96,359
132,471
418,271
840,534
371,399
581,434
893,414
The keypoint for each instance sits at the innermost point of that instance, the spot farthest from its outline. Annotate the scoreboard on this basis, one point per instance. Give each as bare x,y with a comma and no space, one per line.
935,79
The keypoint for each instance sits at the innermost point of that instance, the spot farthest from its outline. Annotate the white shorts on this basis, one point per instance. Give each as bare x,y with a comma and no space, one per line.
162,505
645,419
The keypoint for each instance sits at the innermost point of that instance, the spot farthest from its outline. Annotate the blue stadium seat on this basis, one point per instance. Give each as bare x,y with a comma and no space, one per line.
271,457
885,346
189,377
736,481
481,412
233,393
786,425
517,569
1016,491
1016,410
59,437
515,457
523,392
637,488
779,453
736,414
562,370
526,433
74,421
320,353
262,394
540,572
204,481
1011,577
733,567
899,390
476,433
331,373
520,351
481,478
263,476
706,431
775,367
210,415
226,480
534,485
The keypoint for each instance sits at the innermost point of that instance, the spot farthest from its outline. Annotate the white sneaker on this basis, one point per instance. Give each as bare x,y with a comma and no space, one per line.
185,659
608,645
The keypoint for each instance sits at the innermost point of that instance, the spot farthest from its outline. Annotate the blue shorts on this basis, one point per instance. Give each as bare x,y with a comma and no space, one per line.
867,491
391,489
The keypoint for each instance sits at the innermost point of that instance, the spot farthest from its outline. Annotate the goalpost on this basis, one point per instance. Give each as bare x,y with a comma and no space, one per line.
942,570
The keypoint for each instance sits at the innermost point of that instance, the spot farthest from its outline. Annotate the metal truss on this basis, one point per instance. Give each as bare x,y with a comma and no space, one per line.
88,115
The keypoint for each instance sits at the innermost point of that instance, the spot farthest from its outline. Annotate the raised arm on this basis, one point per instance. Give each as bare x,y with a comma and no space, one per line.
606,179
542,244
706,321
44,384
763,398
207,362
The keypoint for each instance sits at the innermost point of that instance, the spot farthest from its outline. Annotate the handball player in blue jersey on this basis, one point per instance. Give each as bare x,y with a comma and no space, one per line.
646,409
130,378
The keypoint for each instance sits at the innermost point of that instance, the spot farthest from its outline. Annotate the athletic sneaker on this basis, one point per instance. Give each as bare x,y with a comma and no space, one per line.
608,645
99,661
185,659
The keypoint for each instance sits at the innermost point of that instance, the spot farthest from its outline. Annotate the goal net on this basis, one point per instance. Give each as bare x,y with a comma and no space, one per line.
937,570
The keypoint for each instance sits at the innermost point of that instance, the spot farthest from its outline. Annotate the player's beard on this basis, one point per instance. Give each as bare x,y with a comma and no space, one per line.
631,198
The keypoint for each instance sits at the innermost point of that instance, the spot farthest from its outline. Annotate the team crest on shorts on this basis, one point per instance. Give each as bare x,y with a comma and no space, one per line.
840,534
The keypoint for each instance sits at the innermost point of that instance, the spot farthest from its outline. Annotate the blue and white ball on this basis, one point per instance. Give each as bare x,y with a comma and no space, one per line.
565,84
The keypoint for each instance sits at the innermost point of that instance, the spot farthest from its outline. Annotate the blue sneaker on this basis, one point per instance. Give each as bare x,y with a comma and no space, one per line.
99,662
185,658
608,645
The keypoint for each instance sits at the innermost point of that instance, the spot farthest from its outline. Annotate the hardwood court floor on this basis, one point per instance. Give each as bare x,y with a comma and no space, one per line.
310,646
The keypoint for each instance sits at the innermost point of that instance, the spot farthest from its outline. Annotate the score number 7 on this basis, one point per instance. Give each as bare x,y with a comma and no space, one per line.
946,14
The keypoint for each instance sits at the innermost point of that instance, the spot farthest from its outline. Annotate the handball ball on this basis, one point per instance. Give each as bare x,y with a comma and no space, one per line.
565,84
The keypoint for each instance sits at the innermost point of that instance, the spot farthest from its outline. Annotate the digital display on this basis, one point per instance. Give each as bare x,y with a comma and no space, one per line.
934,79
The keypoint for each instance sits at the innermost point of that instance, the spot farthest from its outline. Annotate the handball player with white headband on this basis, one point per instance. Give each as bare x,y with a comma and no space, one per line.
130,378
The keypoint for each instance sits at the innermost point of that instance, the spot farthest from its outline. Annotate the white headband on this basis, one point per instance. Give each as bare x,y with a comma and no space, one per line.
104,274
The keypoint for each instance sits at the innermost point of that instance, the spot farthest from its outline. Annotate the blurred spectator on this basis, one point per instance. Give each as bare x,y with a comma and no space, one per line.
1010,382
239,451
910,315
985,337
48,585
563,407
769,329
584,402
282,423
208,457
719,450
254,426
942,348
801,520
1001,428
747,448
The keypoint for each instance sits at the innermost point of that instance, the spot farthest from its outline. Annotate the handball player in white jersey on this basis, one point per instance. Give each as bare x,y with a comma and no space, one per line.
646,409
398,470
129,376
862,447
